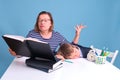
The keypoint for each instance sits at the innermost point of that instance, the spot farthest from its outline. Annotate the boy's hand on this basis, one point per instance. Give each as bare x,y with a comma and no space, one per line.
78,29
60,57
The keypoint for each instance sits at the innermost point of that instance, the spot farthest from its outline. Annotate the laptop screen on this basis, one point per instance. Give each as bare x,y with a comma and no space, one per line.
41,50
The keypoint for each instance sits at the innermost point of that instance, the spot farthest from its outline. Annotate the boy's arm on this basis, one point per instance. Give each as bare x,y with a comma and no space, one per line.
78,29
59,56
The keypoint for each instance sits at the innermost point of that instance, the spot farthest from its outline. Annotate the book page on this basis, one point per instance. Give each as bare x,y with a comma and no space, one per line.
16,37
36,40
57,63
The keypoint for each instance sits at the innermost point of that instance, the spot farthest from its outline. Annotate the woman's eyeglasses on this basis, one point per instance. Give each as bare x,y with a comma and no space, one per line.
45,20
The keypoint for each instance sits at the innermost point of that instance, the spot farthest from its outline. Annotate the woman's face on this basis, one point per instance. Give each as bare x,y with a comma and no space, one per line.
44,22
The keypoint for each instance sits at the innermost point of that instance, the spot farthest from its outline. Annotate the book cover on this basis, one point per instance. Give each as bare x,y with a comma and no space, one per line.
41,50
17,44
21,46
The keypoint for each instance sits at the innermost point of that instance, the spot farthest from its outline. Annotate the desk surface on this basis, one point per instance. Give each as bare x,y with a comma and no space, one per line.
80,69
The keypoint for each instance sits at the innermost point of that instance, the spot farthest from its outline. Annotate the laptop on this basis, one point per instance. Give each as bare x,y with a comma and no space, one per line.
40,50
42,57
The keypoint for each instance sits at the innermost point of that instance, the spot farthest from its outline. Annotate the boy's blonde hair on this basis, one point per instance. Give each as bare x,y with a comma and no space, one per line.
65,50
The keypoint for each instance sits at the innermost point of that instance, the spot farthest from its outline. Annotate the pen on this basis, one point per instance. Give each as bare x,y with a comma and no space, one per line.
102,53
96,53
68,61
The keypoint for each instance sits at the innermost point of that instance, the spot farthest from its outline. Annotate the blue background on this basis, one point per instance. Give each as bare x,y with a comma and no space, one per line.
102,18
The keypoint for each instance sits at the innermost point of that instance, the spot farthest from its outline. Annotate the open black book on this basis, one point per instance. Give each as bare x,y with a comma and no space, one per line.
41,56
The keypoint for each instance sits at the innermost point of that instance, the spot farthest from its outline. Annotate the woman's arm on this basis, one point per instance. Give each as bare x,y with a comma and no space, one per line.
12,52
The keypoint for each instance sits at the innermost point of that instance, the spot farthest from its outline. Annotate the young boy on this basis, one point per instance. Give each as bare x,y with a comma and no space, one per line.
72,51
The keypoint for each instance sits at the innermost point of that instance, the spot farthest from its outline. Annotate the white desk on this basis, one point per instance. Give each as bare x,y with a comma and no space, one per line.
80,69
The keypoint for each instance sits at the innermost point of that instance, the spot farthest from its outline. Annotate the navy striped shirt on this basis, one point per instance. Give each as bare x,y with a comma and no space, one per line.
54,42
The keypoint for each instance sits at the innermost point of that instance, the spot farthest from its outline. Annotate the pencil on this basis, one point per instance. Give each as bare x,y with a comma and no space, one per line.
68,61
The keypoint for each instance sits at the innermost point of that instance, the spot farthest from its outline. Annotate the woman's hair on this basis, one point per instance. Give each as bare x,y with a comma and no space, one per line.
65,50
36,28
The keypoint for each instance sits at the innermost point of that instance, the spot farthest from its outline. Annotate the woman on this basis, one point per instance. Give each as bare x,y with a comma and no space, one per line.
43,31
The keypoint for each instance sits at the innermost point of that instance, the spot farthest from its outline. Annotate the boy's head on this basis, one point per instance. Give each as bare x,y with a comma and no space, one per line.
69,51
